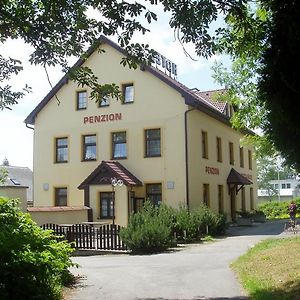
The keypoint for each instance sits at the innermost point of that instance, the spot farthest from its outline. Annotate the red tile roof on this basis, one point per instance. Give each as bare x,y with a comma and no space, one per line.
108,170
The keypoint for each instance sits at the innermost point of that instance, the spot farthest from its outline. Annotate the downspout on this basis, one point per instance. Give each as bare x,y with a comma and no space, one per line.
187,158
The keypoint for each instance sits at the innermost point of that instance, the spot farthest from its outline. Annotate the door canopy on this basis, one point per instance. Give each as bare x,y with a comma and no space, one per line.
236,181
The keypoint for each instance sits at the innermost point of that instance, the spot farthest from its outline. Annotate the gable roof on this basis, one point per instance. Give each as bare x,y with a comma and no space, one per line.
19,177
106,171
191,98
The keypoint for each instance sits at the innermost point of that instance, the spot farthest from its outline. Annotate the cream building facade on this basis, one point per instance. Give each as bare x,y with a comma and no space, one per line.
164,142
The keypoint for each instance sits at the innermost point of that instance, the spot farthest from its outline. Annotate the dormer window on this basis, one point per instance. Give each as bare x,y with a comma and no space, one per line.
128,93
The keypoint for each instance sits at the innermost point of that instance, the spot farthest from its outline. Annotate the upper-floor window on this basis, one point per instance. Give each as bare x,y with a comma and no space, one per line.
241,157
119,146
128,93
104,101
154,193
152,142
250,159
283,186
204,144
89,147
288,185
231,153
61,150
81,100
61,196
219,149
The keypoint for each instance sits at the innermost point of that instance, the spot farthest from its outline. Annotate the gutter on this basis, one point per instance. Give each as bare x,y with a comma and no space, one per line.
29,126
187,158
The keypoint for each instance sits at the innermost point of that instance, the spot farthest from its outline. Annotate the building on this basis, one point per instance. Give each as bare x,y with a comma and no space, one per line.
18,184
280,190
163,142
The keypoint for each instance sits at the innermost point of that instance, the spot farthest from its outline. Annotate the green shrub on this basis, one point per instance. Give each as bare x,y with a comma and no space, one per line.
210,222
149,230
33,264
186,226
276,209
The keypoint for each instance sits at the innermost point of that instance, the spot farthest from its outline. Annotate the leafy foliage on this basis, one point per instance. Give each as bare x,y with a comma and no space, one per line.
276,209
33,264
155,229
148,231
3,175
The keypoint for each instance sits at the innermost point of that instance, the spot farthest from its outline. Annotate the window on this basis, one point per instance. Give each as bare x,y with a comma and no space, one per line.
206,194
250,159
243,199
152,143
251,199
231,154
61,196
89,147
106,205
154,193
283,186
119,147
221,198
288,185
241,157
61,150
204,144
128,93
276,186
104,102
219,149
81,100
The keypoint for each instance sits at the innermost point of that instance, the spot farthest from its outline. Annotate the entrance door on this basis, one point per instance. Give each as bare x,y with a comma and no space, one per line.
233,204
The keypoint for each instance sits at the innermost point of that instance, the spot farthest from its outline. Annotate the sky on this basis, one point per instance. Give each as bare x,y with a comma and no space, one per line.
16,141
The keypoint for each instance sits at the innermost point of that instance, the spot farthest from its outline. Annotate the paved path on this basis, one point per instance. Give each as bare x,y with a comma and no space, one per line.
197,272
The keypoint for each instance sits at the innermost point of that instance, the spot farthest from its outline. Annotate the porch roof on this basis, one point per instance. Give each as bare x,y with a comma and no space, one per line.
236,178
107,170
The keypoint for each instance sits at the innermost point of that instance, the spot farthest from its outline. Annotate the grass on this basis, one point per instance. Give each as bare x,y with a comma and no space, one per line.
271,269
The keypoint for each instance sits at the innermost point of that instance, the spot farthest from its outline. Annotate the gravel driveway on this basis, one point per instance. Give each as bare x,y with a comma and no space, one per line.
198,271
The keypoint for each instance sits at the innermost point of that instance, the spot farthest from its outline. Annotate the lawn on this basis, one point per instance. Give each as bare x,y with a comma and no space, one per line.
271,269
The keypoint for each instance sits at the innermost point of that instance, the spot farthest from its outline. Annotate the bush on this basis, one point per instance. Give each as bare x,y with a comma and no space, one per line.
186,226
276,209
149,230
33,264
209,222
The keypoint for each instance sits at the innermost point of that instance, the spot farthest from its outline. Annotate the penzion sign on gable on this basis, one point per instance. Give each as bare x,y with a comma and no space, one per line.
102,118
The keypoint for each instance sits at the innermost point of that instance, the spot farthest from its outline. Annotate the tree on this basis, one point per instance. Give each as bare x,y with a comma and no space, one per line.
263,34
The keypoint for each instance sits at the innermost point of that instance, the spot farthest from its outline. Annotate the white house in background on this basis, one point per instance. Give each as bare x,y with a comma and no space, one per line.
287,189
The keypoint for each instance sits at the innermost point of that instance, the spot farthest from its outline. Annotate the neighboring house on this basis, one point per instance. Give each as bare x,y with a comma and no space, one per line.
18,184
164,142
281,190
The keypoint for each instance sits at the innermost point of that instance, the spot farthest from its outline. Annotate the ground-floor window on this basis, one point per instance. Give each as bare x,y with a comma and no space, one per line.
106,205
251,199
61,195
221,198
154,193
243,199
206,194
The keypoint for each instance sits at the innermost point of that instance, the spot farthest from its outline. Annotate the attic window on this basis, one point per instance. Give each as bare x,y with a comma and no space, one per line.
15,181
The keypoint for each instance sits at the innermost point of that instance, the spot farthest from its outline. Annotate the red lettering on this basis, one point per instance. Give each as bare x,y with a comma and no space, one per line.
85,120
97,119
102,118
118,116
91,119
111,117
